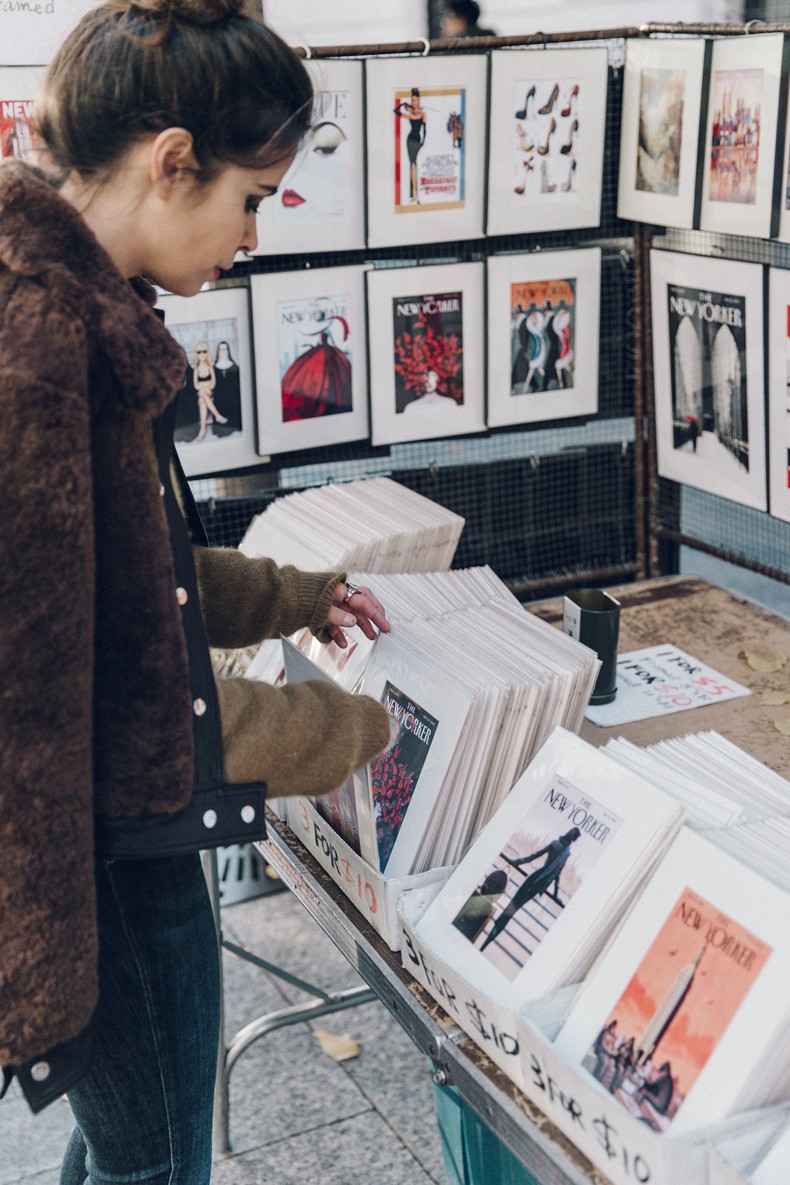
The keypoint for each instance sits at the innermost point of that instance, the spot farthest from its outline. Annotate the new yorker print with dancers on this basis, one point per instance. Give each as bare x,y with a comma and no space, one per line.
540,868
547,132
543,329
676,1007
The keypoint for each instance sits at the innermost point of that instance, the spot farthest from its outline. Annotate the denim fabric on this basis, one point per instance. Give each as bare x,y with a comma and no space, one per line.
144,1111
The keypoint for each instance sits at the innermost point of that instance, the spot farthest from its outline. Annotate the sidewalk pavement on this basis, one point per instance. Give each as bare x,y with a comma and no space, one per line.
296,1116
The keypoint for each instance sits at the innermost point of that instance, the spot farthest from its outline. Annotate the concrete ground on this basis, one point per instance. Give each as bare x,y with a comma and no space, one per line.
296,1116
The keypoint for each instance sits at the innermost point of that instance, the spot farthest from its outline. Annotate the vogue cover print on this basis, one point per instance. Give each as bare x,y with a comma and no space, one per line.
395,774
661,96
314,346
736,102
558,841
209,402
428,353
429,148
543,318
675,1009
707,333
547,131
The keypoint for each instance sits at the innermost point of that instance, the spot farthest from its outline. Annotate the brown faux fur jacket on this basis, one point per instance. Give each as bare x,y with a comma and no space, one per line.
95,713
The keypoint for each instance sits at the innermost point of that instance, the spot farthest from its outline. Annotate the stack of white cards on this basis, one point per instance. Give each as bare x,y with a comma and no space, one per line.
685,1019
375,525
541,889
474,684
718,783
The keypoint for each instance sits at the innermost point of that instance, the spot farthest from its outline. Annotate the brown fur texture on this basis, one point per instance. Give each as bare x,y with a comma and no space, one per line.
95,713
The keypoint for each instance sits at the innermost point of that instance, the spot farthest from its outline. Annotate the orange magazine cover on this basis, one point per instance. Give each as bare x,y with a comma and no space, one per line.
675,1009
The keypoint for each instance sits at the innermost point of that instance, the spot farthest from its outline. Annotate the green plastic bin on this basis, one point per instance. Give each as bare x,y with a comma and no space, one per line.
473,1155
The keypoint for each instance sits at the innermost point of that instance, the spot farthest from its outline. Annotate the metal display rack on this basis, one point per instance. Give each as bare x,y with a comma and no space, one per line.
547,508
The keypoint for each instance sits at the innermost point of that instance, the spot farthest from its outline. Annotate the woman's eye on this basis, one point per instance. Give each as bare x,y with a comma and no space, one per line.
252,204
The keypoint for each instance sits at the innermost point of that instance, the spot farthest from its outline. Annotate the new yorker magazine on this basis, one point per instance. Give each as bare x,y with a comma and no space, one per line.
707,332
543,331
395,774
679,1002
428,353
523,892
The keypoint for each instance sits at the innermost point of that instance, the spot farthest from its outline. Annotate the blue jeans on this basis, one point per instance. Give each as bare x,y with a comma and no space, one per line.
144,1110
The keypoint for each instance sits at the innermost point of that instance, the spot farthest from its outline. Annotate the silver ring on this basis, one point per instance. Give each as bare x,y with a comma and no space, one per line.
352,590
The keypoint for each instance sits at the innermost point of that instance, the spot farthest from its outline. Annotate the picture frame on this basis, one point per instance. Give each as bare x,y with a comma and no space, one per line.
779,393
217,319
708,366
309,332
543,319
425,175
745,127
546,164
429,344
321,200
18,89
32,33
664,108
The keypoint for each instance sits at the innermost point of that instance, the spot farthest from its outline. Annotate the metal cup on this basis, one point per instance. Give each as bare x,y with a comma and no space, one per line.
593,618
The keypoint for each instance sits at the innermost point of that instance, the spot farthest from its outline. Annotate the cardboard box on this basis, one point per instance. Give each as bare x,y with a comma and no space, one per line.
371,892
625,1150
490,1025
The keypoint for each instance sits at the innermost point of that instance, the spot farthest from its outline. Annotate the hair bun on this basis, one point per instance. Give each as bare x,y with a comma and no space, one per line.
199,12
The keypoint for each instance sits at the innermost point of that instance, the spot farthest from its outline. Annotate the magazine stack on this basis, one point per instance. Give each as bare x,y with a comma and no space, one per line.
617,937
375,525
474,684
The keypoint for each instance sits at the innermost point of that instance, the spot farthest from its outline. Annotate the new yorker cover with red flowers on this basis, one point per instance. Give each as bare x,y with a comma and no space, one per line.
394,775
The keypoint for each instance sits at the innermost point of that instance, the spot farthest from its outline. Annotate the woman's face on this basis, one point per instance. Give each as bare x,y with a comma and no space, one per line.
202,227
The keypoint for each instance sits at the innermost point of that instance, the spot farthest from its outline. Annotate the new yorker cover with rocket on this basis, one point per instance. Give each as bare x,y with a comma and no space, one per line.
675,1009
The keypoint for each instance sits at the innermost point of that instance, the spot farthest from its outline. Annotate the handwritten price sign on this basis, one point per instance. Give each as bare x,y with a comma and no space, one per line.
660,680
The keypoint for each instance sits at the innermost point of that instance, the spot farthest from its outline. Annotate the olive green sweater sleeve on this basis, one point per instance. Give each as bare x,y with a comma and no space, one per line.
306,738
246,600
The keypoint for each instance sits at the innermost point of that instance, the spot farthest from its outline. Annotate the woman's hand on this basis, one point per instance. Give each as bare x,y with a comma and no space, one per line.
355,606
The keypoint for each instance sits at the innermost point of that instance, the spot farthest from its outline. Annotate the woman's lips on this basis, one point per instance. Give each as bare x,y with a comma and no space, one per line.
292,198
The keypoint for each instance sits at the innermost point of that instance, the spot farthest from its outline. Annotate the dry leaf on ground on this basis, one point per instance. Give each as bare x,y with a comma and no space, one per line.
339,1048
764,661
783,726
774,699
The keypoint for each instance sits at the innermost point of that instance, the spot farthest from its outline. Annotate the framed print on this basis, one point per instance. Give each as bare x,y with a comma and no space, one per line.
426,357
664,90
709,380
779,393
215,430
18,87
320,204
546,139
747,107
543,319
426,129
310,358
32,32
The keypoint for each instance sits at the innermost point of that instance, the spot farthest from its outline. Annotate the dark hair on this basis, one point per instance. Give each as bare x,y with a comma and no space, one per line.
129,70
467,10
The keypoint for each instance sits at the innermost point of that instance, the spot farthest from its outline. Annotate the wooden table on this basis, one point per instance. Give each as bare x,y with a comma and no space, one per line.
707,622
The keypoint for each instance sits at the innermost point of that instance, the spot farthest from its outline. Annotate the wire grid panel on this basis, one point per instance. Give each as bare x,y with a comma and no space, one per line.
540,503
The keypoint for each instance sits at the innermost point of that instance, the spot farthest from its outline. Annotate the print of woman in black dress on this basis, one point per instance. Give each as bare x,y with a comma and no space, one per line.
227,393
415,139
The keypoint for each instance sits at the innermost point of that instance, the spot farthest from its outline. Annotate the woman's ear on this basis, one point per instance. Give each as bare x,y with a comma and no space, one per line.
171,159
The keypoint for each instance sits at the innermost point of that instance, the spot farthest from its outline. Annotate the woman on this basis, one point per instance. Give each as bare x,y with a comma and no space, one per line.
227,394
110,716
415,139
204,380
